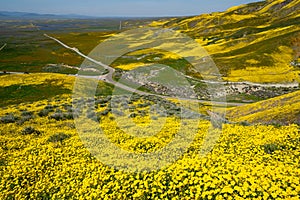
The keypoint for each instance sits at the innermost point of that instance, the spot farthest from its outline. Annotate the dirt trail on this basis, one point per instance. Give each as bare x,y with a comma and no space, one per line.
108,78
1,48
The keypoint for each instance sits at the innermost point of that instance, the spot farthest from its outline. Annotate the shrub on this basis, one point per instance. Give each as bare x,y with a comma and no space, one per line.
43,113
245,123
104,113
30,131
154,118
57,116
112,118
142,105
70,125
2,162
49,107
76,112
118,113
162,114
142,113
133,115
10,118
101,101
297,121
68,115
91,115
27,113
25,116
102,105
24,119
61,116
58,137
270,148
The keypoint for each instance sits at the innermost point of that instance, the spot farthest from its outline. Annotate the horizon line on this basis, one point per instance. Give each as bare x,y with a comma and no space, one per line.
105,16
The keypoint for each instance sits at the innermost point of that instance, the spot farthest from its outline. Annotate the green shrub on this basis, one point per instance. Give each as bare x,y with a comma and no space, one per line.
245,123
24,119
43,113
30,131
68,115
133,115
270,148
58,137
57,116
154,118
9,118
2,162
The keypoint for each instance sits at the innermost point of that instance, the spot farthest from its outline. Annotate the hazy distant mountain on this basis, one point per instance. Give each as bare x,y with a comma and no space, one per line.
26,15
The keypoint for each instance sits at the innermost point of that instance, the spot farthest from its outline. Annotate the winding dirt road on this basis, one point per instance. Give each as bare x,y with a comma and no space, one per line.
108,78
3,47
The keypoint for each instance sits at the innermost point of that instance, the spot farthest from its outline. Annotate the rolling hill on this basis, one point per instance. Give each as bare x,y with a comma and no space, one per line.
254,42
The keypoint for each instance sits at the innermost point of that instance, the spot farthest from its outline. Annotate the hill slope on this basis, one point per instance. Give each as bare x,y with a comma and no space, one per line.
249,40
280,110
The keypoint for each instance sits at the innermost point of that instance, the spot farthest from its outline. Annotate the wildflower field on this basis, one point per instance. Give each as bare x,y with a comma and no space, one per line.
43,157
57,142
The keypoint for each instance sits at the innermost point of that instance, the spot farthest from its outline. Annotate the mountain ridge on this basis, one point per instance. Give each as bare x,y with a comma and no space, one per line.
31,15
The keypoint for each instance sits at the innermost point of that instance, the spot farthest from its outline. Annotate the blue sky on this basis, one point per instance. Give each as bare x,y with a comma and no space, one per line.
120,7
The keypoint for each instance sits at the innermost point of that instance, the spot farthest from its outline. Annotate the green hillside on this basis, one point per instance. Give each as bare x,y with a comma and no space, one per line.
254,42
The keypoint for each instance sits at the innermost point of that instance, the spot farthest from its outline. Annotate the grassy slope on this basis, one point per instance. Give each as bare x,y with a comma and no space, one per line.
33,51
25,88
28,50
30,88
280,110
248,37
